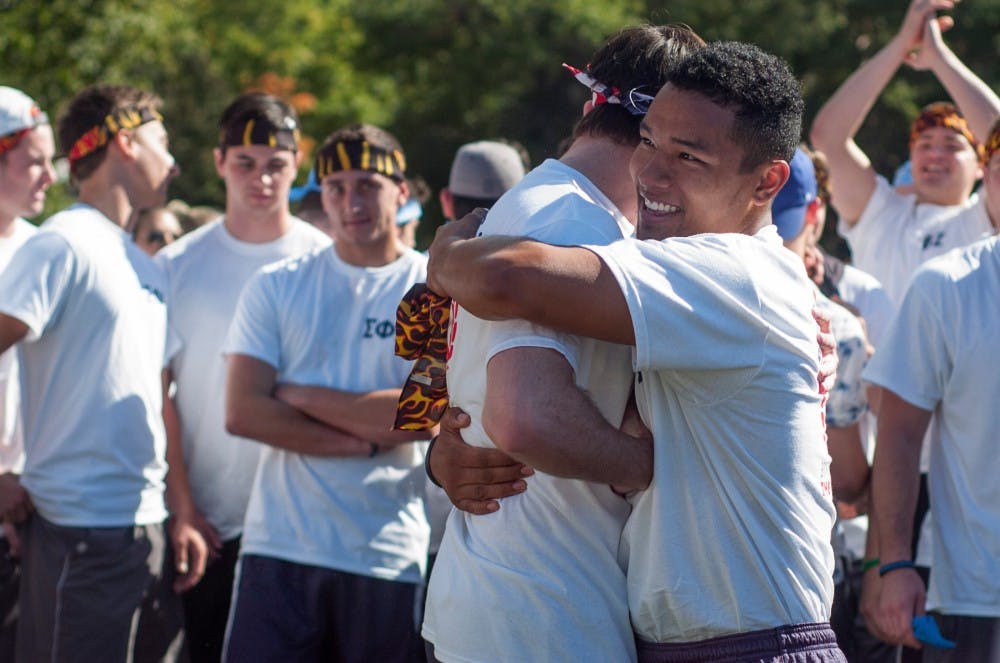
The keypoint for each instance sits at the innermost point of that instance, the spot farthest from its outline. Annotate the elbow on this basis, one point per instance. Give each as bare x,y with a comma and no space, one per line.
850,489
512,428
237,423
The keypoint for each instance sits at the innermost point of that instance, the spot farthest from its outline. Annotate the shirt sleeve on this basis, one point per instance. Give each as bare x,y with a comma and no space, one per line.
848,401
880,222
692,304
914,358
34,286
255,330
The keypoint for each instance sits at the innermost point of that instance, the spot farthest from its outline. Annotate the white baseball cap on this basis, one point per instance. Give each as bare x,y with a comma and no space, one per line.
18,111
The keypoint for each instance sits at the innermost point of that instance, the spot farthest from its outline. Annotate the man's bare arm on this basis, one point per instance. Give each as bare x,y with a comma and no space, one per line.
497,278
895,484
849,471
852,177
365,415
535,412
190,546
12,330
252,411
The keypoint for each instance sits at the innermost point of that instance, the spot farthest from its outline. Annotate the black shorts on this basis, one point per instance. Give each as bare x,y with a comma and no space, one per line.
801,643
285,611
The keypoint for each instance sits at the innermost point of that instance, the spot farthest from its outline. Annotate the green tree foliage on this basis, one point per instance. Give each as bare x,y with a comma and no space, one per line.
436,72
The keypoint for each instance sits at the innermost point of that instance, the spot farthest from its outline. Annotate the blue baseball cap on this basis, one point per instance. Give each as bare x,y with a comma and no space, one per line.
297,193
788,211
410,211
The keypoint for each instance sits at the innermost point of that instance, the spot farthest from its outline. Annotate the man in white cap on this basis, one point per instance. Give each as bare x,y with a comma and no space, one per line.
87,308
26,149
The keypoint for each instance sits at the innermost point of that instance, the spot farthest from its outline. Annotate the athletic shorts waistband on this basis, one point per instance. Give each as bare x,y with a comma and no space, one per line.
800,642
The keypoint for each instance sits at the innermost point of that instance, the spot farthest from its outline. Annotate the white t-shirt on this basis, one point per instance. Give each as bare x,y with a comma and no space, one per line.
864,292
733,534
938,357
539,579
90,371
11,429
320,321
206,272
895,235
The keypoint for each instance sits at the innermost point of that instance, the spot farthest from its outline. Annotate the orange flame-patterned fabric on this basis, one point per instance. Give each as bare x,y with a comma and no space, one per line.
422,335
946,115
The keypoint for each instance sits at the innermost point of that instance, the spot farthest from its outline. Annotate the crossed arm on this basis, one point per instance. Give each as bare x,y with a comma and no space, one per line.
315,421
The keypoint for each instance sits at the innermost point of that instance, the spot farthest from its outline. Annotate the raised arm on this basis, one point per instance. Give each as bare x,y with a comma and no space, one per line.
977,101
252,411
838,121
497,278
535,412
365,415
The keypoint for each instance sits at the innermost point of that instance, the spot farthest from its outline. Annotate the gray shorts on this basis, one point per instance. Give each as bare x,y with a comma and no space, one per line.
97,594
801,643
976,639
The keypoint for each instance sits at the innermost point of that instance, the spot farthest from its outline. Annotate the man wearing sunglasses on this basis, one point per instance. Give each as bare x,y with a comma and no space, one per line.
539,579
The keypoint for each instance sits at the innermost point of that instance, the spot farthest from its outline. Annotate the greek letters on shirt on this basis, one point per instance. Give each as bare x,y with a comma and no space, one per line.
375,328
933,240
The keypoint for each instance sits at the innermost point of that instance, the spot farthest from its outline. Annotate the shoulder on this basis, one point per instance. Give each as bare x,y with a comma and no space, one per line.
189,242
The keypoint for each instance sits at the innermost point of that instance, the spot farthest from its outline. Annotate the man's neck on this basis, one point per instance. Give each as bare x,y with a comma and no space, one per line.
7,225
111,200
605,163
256,227
378,255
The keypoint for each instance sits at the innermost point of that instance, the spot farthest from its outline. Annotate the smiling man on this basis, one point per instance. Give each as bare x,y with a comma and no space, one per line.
728,550
336,539
257,157
891,234
87,307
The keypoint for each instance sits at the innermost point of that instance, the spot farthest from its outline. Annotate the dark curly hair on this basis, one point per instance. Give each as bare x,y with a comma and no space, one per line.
760,89
636,56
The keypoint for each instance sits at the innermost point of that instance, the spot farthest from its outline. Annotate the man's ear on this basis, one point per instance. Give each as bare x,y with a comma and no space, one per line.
404,193
772,177
124,141
220,160
447,203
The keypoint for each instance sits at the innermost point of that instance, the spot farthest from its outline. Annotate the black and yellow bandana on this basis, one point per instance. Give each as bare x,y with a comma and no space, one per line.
97,137
360,155
258,131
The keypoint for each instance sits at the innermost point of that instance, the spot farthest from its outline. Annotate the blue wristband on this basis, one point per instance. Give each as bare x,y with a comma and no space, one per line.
901,564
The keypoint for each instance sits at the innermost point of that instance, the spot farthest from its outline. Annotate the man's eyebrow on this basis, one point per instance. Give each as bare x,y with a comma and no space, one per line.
687,142
643,126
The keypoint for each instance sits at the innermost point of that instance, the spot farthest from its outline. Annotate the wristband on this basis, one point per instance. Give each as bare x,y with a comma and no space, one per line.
870,564
427,462
892,566
374,451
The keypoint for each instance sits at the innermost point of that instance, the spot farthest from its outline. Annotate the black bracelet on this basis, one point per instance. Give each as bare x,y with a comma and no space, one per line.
374,450
892,566
427,462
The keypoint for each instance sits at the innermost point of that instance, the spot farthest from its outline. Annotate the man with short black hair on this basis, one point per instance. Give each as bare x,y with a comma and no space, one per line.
335,539
728,550
88,308
257,157
540,579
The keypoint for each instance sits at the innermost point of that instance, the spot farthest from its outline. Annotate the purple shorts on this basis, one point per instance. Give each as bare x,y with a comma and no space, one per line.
801,643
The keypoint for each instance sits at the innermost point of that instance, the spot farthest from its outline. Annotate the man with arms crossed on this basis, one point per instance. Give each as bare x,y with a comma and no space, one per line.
257,157
335,539
87,306
540,579
728,551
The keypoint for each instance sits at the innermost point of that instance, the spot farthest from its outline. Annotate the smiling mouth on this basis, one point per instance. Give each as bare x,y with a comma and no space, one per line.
654,206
